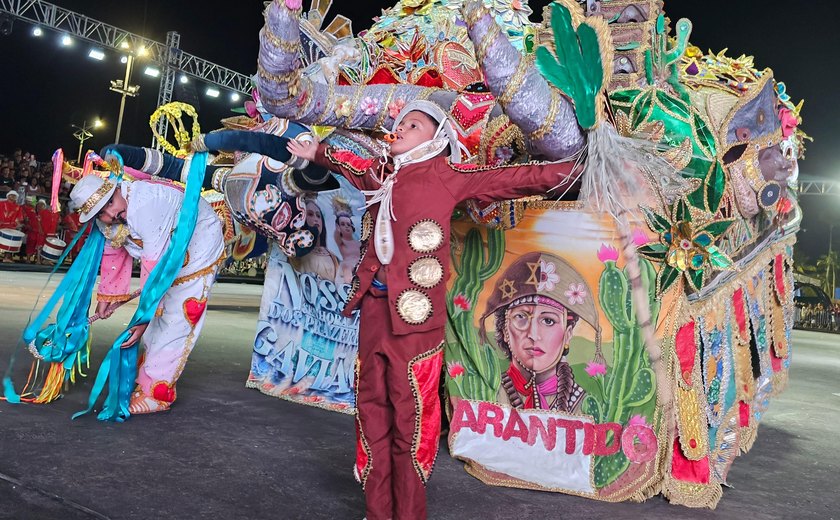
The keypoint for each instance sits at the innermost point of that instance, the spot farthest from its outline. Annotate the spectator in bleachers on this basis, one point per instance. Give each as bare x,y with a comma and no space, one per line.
35,186
7,182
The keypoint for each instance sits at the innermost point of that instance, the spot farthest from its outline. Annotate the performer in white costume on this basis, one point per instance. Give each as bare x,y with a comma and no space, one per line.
137,219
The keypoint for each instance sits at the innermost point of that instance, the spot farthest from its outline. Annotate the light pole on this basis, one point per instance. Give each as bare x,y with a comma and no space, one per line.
83,133
830,260
124,89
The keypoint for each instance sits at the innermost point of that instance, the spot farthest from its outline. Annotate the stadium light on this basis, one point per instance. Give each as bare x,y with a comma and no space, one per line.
124,60
66,41
151,71
96,54
184,79
37,31
234,97
212,92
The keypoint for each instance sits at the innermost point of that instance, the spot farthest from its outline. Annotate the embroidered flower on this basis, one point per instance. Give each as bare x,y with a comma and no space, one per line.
293,4
504,153
576,293
789,122
370,106
637,420
395,107
548,276
455,369
595,369
461,302
343,108
607,253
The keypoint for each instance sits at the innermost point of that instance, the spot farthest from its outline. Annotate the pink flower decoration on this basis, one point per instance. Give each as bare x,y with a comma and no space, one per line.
595,369
607,253
640,238
548,276
576,293
637,420
455,369
395,107
251,109
789,122
293,4
461,302
370,106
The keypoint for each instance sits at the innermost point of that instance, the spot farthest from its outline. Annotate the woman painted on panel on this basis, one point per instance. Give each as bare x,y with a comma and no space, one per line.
320,261
537,303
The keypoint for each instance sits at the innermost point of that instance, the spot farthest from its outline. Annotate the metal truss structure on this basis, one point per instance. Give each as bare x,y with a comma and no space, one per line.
819,187
167,55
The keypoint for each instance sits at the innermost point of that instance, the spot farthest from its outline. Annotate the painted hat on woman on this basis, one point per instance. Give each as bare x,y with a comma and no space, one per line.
539,275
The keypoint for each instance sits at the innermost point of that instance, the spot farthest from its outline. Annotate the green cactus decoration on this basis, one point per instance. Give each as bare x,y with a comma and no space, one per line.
577,69
482,364
629,385
660,59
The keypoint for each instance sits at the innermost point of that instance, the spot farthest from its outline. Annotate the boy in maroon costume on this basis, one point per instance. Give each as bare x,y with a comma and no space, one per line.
400,288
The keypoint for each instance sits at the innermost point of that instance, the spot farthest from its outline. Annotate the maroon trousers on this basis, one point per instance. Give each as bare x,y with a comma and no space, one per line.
398,419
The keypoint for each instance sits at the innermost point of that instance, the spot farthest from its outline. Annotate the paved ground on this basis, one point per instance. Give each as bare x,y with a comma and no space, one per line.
228,452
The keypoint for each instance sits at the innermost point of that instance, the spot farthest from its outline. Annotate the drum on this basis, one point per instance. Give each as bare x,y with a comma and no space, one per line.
10,240
53,249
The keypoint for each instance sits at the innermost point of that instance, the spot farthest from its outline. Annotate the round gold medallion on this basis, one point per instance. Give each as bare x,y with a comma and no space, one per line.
414,307
425,272
425,236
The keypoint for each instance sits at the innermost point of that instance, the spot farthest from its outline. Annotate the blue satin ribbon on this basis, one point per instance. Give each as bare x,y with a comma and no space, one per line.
119,368
65,340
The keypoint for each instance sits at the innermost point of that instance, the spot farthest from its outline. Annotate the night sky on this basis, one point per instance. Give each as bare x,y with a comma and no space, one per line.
45,87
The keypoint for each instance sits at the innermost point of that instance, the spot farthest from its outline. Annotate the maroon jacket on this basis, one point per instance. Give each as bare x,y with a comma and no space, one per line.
424,197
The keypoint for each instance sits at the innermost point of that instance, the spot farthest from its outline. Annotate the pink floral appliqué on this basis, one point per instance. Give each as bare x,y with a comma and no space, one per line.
370,106
548,276
395,107
789,122
576,293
